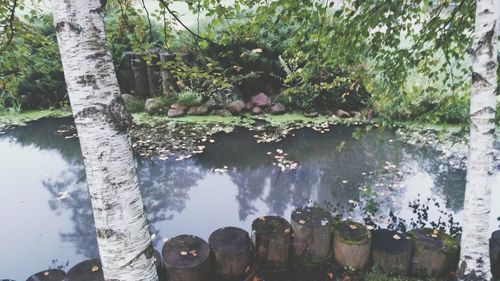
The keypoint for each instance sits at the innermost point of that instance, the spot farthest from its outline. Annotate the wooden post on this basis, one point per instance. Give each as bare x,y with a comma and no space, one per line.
312,234
89,270
186,258
153,70
231,249
48,275
435,254
351,244
495,254
271,237
166,78
391,251
141,81
159,266
125,74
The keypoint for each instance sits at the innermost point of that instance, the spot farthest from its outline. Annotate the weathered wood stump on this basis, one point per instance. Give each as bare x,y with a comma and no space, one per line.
186,258
166,77
351,244
435,254
159,266
125,74
89,270
141,81
153,70
312,234
231,249
391,251
48,275
271,237
495,254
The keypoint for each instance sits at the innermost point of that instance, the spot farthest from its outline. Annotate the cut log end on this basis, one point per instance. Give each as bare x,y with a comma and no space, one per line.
48,275
312,217
231,249
271,236
391,251
351,244
435,253
89,270
186,258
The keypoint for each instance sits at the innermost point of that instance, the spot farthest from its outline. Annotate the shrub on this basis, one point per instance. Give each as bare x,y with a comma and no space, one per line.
190,98
134,105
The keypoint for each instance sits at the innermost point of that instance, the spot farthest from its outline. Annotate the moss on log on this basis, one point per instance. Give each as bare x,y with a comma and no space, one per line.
271,237
391,251
351,244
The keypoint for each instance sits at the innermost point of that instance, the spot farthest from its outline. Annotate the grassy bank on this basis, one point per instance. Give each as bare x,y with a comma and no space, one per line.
8,118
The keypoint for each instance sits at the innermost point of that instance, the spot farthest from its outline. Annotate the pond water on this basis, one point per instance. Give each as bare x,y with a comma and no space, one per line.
231,183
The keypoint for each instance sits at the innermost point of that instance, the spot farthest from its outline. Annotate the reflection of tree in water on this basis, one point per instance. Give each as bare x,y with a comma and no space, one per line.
165,186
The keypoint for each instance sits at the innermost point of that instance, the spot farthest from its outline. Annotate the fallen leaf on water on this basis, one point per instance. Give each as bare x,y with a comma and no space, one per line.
369,227
46,273
287,230
330,275
247,269
94,268
302,221
262,218
397,237
352,226
193,253
183,253
255,278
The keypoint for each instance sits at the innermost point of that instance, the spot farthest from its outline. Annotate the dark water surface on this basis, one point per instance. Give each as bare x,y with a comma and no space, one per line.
46,218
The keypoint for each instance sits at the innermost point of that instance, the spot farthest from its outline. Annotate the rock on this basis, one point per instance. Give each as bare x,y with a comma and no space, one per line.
151,106
249,106
202,110
256,110
342,114
311,113
178,106
127,98
193,110
236,107
175,112
278,109
224,113
355,114
211,104
261,100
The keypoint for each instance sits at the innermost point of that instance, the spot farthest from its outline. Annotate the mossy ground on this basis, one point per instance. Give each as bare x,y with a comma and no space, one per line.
8,118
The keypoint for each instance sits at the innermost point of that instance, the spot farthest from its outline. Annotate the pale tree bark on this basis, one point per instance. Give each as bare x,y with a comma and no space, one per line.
122,230
474,258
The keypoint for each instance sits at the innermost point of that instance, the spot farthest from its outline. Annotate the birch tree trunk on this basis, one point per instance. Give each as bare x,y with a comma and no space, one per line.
474,258
122,230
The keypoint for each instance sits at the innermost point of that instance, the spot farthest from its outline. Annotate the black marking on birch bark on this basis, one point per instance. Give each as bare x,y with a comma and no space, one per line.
484,110
105,233
114,113
96,55
488,38
478,78
76,28
87,80
96,10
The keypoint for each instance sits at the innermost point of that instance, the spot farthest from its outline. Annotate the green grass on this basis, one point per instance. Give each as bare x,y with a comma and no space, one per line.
8,118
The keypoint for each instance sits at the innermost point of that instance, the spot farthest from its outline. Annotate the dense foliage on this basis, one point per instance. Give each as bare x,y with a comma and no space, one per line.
406,59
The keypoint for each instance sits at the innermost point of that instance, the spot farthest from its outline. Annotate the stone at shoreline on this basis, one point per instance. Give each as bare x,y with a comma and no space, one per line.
178,106
193,110
151,106
257,110
342,114
224,113
202,110
236,107
355,114
278,109
311,113
127,98
249,106
211,104
175,112
261,100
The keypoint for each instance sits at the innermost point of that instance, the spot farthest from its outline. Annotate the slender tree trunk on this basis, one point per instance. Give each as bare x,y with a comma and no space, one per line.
474,258
122,230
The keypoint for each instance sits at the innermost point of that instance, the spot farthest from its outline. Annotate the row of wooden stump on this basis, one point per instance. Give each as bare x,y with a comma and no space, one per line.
311,239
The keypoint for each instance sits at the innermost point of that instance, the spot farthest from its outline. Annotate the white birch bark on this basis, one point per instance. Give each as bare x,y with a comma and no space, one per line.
122,231
474,258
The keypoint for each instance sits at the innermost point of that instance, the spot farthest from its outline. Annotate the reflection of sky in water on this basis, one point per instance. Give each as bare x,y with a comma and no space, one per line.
191,197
